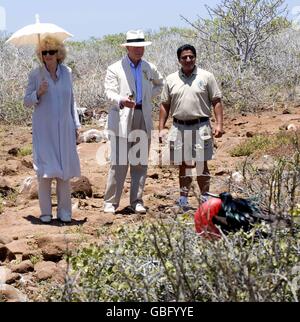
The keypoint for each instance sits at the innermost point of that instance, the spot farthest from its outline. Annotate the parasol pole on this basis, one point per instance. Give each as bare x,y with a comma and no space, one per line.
37,21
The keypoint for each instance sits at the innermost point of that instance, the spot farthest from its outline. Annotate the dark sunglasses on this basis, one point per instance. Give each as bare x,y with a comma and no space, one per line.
191,57
50,52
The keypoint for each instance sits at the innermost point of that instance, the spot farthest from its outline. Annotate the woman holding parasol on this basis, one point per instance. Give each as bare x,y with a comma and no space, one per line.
55,125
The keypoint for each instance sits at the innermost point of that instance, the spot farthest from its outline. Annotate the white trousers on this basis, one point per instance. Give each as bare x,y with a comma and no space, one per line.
63,193
115,183
120,148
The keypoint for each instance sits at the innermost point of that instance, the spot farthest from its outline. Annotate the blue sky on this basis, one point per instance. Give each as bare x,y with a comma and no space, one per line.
91,18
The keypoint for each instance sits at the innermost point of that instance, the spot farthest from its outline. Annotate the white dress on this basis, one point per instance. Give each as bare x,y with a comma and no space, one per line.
54,124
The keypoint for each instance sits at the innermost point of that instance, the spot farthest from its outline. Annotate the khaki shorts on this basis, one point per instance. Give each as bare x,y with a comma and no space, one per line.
189,143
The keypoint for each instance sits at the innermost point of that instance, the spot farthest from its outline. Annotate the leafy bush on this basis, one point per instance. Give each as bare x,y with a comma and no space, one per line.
263,143
271,78
258,142
26,150
167,261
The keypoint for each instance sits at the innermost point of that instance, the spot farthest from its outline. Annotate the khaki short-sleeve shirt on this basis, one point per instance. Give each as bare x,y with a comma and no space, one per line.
190,97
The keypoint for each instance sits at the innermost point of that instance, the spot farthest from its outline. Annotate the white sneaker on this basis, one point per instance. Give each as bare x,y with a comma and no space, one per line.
46,219
139,209
109,208
64,216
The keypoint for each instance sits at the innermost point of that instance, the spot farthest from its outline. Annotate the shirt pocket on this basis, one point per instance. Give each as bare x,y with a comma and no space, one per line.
203,137
174,138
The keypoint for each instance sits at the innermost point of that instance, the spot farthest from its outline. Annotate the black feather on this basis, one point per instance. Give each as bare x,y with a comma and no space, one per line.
238,213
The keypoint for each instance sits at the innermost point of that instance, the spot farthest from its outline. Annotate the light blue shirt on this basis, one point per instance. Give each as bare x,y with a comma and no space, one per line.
137,74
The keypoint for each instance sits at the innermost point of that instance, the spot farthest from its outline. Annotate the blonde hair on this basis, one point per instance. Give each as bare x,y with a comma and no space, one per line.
51,43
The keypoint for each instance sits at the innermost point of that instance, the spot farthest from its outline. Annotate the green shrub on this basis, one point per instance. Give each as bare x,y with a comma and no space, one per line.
168,261
263,143
26,150
13,112
165,260
250,146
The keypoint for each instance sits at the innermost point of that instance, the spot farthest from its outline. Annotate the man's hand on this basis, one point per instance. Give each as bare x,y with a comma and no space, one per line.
218,111
163,135
218,130
128,102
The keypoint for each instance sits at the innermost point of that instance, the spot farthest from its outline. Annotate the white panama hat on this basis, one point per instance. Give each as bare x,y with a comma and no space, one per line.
136,38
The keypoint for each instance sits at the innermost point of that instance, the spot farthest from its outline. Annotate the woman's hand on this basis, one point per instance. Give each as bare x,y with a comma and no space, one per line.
42,89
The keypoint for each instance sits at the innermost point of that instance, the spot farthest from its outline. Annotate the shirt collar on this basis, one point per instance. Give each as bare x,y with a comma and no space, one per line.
132,64
182,74
58,71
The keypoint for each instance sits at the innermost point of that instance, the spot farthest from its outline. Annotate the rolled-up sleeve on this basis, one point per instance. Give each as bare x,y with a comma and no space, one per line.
165,95
213,88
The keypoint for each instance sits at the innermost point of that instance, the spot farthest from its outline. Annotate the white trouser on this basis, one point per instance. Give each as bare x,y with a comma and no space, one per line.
118,171
63,192
115,183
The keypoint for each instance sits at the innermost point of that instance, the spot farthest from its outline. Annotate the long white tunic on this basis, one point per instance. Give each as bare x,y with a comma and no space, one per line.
54,123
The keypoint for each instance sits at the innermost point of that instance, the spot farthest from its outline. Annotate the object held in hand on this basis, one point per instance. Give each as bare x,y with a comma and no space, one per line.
131,97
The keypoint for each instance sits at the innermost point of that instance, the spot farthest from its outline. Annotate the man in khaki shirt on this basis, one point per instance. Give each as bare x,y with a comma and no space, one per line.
190,95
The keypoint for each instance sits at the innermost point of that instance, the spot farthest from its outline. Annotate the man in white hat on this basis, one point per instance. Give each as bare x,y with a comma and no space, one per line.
130,85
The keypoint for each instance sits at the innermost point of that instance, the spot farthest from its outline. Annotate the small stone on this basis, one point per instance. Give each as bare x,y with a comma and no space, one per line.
249,134
237,177
11,294
45,270
221,173
292,127
14,151
5,240
81,187
23,267
6,254
98,195
4,274
286,111
12,278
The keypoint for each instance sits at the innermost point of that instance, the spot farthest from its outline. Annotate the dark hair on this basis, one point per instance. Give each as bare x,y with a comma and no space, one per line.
185,47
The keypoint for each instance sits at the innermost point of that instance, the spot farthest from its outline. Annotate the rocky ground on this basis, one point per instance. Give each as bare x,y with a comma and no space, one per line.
32,252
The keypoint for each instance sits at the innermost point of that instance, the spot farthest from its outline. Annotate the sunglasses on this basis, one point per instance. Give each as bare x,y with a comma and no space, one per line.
50,52
191,57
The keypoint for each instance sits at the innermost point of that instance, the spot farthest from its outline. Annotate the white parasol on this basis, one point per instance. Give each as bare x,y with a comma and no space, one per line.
32,34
